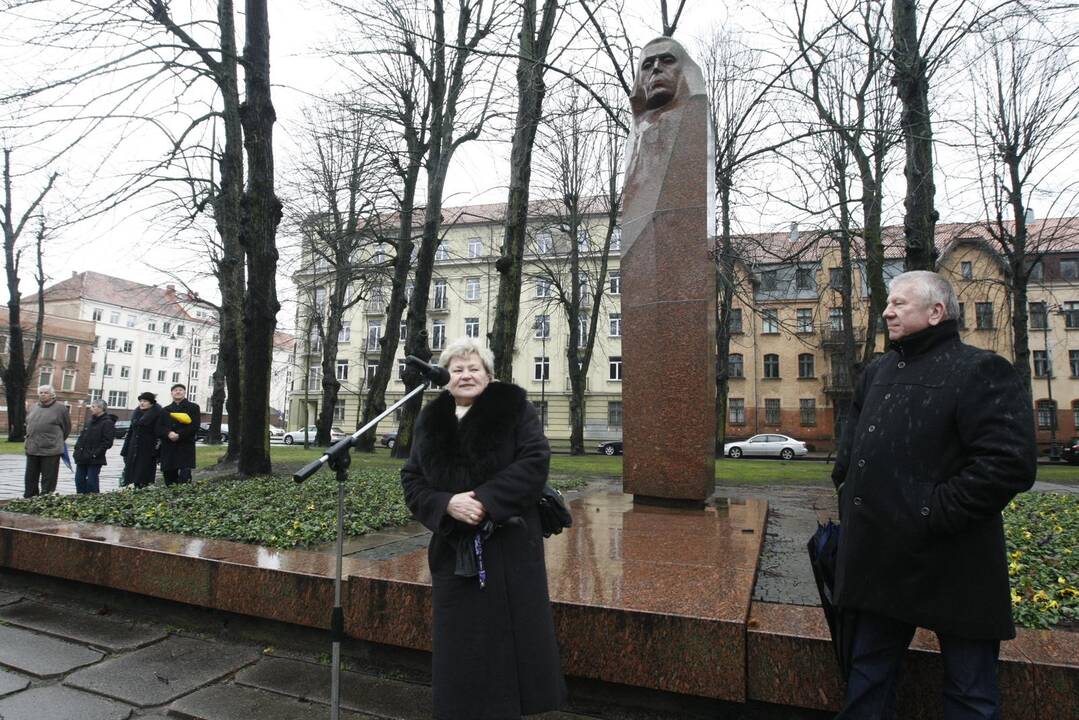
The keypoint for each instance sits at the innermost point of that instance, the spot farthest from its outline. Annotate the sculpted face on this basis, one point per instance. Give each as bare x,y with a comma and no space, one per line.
660,73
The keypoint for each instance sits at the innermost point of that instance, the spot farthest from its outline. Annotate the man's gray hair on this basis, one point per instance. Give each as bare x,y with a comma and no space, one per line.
462,347
46,388
932,288
99,403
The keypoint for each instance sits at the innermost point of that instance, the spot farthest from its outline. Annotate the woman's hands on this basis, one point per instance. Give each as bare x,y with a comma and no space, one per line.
466,508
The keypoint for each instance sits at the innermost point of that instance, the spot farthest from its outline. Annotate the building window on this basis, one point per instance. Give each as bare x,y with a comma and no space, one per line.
146,373
771,365
736,411
114,318
344,335
440,295
1047,412
836,278
472,327
176,377
442,252
472,288
372,368
117,398
735,365
164,351
614,368
93,368
1042,365
49,351
179,353
342,370
438,334
149,349
616,238
582,328
129,346
771,411
807,409
1069,269
983,315
67,383
97,314
769,280
803,279
339,410
806,366
966,270
475,247
734,321
151,326
962,319
1071,315
193,394
125,371
1073,362
584,240
541,410
107,371
543,287
544,243
770,321
1039,320
110,344
541,328
804,319
131,320
402,332
95,394
615,320
166,327
179,331
374,331
44,375
161,376
213,360
614,414
541,368
615,285
835,319
196,346
400,375
1037,272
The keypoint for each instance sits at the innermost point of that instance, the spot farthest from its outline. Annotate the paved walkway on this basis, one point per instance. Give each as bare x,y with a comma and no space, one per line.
13,467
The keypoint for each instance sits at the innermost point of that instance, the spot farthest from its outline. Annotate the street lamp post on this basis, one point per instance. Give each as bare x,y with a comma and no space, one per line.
1054,449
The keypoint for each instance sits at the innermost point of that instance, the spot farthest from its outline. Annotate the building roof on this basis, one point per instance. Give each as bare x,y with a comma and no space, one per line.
98,287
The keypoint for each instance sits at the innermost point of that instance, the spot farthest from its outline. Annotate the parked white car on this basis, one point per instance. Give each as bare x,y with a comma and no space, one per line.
296,436
276,434
766,446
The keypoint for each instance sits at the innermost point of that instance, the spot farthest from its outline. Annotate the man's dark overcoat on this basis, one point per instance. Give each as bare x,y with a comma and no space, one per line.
940,439
181,453
495,652
94,440
140,446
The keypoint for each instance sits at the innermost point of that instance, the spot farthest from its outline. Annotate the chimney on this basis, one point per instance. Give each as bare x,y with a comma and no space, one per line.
170,288
794,232
1029,216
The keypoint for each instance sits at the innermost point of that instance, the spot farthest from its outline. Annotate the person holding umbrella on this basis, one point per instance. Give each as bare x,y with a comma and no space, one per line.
939,440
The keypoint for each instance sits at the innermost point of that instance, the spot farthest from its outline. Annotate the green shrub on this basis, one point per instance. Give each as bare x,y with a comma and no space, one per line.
1042,533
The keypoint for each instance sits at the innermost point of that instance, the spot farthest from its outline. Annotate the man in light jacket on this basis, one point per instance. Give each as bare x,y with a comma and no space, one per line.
47,427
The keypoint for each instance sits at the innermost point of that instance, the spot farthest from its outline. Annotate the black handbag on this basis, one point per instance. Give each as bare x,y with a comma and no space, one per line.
553,512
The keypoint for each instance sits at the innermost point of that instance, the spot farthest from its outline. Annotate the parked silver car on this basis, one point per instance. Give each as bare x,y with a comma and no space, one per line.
766,446
296,436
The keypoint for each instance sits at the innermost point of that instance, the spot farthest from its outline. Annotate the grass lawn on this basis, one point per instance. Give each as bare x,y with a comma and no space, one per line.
10,448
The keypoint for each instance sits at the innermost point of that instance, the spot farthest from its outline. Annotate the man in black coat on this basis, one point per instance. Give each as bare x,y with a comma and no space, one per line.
940,439
178,436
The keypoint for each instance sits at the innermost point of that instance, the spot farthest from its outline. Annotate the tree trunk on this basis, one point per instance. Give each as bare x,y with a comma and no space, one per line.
262,213
725,282
912,85
330,384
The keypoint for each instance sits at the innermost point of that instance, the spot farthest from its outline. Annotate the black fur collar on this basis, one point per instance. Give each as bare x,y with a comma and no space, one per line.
461,455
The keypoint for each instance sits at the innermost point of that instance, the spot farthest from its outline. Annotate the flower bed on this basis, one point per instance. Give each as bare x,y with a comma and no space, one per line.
1042,533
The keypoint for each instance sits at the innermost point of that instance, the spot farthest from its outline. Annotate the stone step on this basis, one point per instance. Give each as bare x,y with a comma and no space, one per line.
61,703
99,631
41,655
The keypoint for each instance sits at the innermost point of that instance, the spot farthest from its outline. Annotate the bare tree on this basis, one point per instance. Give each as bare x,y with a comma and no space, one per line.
15,372
1024,127
534,42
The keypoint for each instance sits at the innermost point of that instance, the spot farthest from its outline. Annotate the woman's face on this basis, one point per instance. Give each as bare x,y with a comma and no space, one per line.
145,404
468,378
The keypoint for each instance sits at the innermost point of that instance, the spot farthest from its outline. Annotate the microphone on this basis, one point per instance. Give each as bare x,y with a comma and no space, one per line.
435,374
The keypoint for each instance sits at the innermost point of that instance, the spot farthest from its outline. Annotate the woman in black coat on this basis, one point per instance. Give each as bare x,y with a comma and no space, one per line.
479,462
94,441
140,444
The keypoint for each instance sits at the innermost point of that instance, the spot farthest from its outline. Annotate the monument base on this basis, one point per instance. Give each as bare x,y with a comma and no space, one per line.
686,504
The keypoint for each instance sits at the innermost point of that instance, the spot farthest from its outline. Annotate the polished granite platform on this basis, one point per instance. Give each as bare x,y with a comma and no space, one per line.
648,596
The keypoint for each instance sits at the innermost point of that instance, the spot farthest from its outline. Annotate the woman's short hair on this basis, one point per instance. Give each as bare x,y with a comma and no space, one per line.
99,403
932,289
46,388
462,347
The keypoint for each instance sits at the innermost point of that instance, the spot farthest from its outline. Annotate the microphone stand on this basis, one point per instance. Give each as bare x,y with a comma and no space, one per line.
338,458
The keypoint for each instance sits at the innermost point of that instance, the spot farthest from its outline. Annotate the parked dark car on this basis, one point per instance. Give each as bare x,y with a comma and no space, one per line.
389,439
204,432
1069,453
610,447
121,427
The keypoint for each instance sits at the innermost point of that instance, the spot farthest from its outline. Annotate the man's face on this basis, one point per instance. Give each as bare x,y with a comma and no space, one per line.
178,394
661,72
45,396
907,313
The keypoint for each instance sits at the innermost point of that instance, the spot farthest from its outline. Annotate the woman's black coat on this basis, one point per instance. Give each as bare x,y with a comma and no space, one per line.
495,652
140,446
94,440
940,439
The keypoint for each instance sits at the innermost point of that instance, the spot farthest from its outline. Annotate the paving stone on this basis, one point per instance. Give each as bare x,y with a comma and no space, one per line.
6,598
41,655
94,630
365,693
61,703
236,702
10,682
164,671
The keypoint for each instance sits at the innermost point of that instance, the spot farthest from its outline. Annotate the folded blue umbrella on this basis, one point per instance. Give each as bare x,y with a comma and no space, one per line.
66,457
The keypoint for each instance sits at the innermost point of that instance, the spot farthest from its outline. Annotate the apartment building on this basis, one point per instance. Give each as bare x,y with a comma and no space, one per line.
788,368
63,362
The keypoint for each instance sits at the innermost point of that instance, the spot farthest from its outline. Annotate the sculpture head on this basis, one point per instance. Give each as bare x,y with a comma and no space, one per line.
665,76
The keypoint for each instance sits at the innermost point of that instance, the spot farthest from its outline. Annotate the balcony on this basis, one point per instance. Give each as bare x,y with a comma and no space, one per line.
439,307
831,337
837,384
